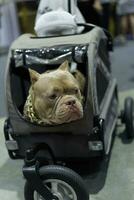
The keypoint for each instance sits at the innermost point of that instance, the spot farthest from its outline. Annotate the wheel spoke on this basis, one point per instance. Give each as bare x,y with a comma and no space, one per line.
59,188
67,193
38,197
54,186
70,196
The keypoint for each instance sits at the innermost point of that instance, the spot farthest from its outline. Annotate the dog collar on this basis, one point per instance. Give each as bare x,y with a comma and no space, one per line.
29,112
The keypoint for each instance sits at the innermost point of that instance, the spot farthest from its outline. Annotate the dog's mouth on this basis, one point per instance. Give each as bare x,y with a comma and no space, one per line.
74,110
73,114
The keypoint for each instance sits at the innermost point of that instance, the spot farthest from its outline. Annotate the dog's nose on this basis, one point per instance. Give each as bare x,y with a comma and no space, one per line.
70,102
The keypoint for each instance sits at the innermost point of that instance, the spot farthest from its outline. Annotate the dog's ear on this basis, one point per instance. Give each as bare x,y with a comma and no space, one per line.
64,66
34,76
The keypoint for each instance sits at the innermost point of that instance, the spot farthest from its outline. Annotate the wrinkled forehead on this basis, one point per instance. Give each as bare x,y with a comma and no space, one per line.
56,81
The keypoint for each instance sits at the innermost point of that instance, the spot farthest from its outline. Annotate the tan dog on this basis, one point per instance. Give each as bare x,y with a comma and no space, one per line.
55,96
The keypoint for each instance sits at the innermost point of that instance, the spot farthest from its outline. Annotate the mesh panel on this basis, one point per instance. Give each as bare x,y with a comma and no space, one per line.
102,84
103,53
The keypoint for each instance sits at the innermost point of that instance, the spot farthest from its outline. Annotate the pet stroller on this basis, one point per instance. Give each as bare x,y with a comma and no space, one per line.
46,149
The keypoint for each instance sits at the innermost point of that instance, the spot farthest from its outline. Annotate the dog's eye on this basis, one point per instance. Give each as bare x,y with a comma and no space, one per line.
53,96
76,91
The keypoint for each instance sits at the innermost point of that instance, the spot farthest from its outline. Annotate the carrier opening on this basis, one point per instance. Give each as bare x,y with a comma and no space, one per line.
85,28
43,60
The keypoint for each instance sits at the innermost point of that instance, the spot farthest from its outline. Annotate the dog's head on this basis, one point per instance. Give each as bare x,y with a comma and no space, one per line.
56,95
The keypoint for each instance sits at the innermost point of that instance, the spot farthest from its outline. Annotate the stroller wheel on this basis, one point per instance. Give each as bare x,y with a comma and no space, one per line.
61,181
128,117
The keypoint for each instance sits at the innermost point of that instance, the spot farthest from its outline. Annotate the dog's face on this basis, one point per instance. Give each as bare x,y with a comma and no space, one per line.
56,96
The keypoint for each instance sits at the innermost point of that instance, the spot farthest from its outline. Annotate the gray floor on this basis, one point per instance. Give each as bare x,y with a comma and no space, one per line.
112,181
3,59
122,60
11,180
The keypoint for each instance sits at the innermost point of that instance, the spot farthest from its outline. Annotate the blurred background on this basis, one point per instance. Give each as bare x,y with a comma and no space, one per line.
18,16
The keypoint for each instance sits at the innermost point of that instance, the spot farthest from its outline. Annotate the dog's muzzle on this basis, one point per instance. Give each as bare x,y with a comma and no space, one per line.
69,108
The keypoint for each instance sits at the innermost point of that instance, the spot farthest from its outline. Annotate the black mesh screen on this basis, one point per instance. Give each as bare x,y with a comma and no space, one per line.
20,83
102,84
103,53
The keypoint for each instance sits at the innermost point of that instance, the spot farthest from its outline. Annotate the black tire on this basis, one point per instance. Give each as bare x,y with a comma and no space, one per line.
128,117
63,174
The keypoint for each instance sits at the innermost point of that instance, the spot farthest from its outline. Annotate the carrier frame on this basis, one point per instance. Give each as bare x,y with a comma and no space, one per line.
91,139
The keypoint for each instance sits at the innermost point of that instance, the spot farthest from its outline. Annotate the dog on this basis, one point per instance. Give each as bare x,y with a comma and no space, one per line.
55,97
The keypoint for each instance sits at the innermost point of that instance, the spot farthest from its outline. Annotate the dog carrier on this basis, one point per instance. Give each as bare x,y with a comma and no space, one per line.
51,146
